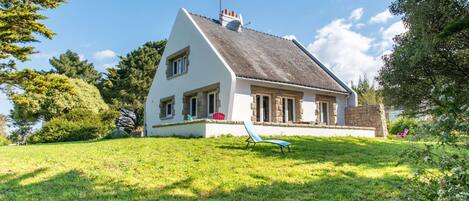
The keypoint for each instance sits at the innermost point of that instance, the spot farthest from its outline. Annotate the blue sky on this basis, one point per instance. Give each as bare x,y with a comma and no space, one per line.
348,36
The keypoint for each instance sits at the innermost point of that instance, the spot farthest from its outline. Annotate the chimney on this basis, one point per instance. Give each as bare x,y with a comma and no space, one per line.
231,20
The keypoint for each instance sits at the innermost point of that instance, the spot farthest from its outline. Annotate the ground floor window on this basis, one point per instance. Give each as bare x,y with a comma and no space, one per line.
288,106
323,112
263,108
193,107
211,103
169,109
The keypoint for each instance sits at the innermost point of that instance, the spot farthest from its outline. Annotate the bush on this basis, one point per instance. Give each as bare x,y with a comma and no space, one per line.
402,123
4,141
117,133
75,126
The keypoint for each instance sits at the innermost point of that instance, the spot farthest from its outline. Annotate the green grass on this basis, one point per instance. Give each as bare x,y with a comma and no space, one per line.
213,169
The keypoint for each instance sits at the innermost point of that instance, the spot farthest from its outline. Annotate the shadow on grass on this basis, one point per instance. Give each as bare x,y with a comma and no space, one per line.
75,185
354,151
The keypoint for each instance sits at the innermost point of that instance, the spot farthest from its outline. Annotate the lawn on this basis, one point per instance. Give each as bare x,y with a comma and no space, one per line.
212,169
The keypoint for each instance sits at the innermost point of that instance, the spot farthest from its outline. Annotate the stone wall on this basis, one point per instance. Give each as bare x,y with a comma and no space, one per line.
332,108
367,116
201,95
276,96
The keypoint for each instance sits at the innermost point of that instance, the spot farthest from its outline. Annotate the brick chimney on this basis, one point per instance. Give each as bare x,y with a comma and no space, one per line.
231,20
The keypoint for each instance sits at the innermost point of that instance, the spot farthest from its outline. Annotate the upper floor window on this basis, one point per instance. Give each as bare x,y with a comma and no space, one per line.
177,63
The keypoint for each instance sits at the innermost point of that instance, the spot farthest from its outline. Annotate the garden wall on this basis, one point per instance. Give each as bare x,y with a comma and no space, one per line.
214,128
367,116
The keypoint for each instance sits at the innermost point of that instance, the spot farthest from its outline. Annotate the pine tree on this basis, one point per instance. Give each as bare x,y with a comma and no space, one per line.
126,86
70,65
20,24
367,93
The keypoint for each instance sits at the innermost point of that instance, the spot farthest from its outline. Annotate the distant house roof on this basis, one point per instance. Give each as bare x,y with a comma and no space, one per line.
257,55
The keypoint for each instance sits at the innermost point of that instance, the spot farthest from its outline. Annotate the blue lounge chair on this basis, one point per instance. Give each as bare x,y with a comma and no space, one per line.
255,138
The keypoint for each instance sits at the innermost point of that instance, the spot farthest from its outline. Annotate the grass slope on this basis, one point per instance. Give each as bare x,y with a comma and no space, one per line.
212,169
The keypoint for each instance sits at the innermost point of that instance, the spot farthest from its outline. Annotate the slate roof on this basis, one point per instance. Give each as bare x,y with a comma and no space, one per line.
257,55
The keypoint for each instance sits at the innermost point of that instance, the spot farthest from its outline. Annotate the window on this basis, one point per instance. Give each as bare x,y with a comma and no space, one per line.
179,65
262,108
288,106
323,113
193,107
211,103
169,109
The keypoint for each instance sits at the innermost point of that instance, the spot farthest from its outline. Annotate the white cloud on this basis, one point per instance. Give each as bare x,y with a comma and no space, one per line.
82,57
290,37
356,14
109,65
359,25
381,17
389,33
344,51
104,54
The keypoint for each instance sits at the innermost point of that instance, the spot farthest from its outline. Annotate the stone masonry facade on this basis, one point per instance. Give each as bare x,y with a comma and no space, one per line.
276,96
201,97
332,108
367,116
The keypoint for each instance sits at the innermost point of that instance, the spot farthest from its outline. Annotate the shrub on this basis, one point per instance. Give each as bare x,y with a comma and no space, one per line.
75,126
402,123
4,140
117,133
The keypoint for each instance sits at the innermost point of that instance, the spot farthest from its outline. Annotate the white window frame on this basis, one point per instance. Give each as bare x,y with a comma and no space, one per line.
169,113
261,110
190,106
214,93
179,65
285,109
320,112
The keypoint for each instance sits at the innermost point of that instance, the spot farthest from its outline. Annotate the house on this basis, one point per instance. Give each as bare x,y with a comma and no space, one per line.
219,65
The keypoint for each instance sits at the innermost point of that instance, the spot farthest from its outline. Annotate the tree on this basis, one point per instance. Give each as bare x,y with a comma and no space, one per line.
434,50
70,65
428,73
20,24
38,96
126,86
367,94
3,125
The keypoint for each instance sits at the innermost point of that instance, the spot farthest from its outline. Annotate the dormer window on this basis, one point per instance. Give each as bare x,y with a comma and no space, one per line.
177,63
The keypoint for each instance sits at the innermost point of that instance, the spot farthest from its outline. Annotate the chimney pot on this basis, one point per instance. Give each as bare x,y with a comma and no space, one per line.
231,20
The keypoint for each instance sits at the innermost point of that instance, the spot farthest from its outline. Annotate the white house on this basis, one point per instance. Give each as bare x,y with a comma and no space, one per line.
219,65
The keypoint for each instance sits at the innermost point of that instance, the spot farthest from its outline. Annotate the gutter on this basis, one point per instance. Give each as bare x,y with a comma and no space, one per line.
291,85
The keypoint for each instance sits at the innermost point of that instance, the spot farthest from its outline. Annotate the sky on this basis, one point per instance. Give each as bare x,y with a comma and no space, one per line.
349,37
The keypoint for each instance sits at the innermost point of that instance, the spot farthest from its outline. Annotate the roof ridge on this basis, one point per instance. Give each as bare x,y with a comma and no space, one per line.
251,29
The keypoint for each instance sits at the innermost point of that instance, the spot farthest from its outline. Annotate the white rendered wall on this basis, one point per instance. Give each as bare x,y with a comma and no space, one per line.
341,105
309,106
242,101
205,68
217,129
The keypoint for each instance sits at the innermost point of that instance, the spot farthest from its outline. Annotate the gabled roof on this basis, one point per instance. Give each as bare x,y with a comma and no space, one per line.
257,55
